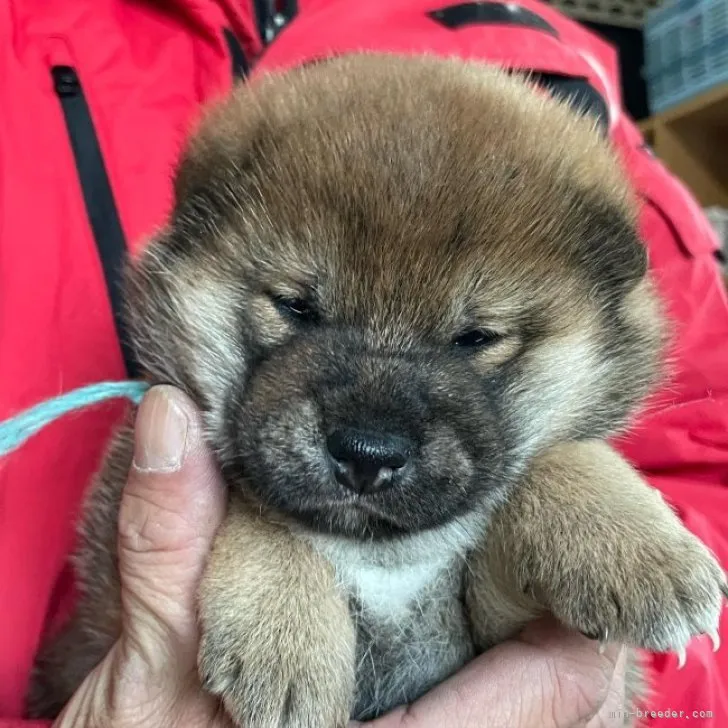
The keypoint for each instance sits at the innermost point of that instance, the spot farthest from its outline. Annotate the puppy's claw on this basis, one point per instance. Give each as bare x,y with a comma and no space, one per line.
603,640
681,658
715,639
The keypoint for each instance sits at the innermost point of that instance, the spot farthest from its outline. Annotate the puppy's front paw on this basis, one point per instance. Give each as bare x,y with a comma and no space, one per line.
658,589
586,538
269,677
278,643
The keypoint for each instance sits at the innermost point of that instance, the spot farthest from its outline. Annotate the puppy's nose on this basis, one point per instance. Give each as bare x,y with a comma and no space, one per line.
366,462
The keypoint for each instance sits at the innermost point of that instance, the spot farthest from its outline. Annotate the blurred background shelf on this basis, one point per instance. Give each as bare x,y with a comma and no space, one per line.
692,140
674,76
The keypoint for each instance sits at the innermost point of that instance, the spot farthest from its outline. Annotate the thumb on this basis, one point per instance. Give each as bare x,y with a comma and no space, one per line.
172,504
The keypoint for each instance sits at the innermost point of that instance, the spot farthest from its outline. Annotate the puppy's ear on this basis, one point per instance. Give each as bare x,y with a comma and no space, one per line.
219,152
613,253
183,319
156,323
182,302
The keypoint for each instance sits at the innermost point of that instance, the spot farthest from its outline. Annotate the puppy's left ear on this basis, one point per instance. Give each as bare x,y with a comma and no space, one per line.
613,252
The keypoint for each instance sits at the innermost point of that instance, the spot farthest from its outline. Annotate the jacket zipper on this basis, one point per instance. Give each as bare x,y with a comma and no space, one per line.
238,60
97,195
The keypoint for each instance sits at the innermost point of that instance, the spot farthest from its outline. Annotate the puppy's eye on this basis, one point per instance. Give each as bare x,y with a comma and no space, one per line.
297,308
477,338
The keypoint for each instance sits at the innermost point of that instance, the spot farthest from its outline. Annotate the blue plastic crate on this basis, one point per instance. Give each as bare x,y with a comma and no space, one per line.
686,50
655,90
694,68
717,21
693,37
672,41
718,55
653,54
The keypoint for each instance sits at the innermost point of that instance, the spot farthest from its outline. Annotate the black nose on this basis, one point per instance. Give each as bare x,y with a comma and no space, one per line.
366,462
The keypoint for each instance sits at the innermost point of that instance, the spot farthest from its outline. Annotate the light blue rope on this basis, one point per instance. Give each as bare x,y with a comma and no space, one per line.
17,430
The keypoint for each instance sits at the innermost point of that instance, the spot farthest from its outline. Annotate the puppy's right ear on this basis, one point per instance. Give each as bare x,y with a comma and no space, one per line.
154,318
183,292
183,320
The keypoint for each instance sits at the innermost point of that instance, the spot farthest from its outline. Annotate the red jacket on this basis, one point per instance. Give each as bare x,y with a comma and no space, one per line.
96,97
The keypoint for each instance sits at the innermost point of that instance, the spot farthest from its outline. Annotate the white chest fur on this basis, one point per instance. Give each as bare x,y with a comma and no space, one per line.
388,577
387,592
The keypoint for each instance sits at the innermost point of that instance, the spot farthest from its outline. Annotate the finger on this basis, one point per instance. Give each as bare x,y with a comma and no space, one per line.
582,673
549,678
614,710
172,504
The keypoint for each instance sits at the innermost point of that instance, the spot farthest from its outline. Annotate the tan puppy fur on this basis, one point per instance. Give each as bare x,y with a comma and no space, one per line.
409,297
611,560
299,657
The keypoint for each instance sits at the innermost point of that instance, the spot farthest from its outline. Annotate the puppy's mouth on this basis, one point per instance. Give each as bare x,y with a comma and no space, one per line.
358,515
366,504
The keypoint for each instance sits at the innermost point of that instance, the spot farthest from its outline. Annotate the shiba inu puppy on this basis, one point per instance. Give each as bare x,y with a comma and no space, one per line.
409,296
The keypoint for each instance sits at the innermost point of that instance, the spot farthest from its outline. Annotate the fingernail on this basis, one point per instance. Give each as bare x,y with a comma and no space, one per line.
161,431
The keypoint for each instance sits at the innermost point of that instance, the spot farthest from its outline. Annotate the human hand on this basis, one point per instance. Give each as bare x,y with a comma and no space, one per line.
173,502
549,677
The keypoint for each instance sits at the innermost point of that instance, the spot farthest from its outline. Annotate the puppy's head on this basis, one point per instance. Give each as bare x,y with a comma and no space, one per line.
389,283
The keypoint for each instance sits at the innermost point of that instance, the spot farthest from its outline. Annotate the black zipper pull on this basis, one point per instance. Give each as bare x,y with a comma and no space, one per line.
98,196
65,81
237,56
